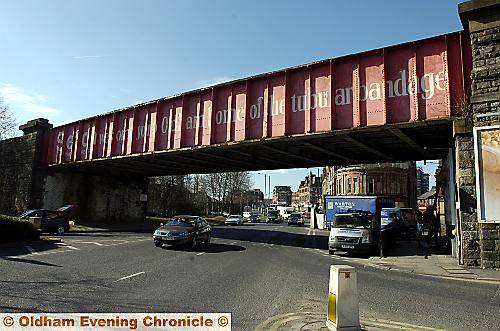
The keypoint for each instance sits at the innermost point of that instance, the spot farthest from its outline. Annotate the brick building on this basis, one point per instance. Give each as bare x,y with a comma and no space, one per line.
282,195
397,180
308,194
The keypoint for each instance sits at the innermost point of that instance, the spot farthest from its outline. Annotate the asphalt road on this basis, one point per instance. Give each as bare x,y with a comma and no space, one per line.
254,271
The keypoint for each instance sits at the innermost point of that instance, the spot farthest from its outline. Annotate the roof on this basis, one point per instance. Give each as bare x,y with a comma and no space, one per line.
427,195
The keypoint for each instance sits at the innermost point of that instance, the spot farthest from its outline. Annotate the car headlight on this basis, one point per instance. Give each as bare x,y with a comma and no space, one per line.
157,232
367,238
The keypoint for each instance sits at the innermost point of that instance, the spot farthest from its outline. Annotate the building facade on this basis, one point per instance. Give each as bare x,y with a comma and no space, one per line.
422,182
397,180
308,194
282,195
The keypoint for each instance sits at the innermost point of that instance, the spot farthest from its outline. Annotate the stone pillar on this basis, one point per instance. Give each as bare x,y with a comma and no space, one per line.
21,168
480,242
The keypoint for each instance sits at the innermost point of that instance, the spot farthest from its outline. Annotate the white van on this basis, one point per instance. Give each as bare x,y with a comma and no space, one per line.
354,232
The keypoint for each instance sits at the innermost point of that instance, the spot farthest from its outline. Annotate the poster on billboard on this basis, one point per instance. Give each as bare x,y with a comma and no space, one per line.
487,153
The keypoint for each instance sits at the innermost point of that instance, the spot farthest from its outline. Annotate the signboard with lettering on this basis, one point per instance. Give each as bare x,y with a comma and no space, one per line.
418,81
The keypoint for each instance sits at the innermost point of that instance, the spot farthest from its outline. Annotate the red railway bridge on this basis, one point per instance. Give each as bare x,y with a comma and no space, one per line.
390,104
414,101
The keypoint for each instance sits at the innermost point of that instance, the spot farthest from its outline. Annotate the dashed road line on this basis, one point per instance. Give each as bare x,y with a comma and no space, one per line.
198,254
130,276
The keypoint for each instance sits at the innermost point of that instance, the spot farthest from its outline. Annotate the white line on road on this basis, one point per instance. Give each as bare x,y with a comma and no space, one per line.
232,243
72,247
130,276
31,250
200,253
91,242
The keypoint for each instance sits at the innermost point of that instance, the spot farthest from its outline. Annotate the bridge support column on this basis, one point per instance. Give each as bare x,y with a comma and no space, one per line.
21,170
98,198
480,242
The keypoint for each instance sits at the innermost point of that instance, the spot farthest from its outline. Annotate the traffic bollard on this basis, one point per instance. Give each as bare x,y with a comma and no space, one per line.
343,309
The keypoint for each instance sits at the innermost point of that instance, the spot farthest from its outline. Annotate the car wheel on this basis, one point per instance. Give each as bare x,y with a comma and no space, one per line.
194,244
158,243
331,251
208,240
60,230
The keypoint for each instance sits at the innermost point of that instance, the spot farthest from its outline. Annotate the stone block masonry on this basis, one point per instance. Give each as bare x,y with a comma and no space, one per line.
25,183
481,242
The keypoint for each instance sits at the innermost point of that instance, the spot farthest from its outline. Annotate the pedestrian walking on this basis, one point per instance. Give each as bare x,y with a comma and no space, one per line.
433,222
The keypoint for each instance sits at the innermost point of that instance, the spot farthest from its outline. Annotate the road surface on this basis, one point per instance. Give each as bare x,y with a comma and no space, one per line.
254,271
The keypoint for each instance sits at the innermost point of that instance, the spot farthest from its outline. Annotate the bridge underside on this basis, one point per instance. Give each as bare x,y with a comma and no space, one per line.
388,143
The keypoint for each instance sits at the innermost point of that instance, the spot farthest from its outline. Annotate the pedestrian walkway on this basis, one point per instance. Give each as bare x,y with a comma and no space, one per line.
407,256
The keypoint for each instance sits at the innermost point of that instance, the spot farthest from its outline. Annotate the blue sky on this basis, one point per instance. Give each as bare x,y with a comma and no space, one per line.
65,60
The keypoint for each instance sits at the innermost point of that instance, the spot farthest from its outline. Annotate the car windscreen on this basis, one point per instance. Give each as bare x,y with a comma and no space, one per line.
234,216
26,213
181,222
353,221
295,216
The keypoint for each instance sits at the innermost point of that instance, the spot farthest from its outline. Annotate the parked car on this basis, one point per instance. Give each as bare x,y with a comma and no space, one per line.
254,218
234,220
296,219
183,230
51,221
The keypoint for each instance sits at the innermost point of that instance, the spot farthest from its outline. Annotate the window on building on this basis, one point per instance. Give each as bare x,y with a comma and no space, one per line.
378,185
348,185
371,185
355,185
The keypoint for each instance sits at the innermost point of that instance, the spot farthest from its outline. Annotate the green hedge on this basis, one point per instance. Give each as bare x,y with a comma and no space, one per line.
11,229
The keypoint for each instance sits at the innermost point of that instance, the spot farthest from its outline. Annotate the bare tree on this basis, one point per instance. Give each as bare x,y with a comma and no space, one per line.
227,189
7,121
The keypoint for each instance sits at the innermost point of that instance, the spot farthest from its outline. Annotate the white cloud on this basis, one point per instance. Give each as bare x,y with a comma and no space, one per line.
23,101
79,57
278,171
213,81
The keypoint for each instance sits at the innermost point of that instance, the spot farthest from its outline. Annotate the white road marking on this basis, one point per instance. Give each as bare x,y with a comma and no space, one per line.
200,253
130,276
72,247
234,242
31,250
91,242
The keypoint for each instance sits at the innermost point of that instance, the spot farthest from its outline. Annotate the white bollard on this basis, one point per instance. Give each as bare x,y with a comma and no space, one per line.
343,304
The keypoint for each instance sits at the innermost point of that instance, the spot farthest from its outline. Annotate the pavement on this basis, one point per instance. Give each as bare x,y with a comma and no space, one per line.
268,276
407,256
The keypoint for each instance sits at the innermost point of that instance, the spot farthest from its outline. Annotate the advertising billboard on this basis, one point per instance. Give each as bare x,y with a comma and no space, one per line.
487,151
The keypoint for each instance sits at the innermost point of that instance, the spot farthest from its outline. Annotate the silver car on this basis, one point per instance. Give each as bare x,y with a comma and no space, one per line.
234,220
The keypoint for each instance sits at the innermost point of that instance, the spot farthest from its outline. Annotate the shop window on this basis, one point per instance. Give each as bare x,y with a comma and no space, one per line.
371,185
